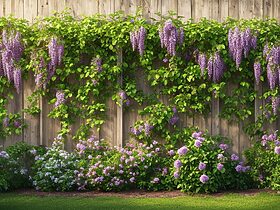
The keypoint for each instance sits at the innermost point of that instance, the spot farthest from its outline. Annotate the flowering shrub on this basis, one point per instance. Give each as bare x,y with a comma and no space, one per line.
264,157
15,166
134,166
55,170
204,165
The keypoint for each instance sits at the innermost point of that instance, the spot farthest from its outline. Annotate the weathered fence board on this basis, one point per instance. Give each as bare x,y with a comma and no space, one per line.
41,129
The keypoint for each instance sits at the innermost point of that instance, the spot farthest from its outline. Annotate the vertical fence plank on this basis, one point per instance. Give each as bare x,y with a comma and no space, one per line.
185,9
155,8
223,7
214,10
233,9
258,8
43,8
170,5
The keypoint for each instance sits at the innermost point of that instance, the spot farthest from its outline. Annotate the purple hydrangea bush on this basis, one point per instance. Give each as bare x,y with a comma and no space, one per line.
264,158
208,166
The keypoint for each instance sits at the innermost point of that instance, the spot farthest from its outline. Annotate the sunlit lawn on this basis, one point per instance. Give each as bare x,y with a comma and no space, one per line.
231,201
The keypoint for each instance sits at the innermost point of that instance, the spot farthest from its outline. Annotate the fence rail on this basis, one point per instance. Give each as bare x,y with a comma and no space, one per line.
41,129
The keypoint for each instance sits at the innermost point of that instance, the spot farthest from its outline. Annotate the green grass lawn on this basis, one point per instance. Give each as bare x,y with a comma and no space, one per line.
231,201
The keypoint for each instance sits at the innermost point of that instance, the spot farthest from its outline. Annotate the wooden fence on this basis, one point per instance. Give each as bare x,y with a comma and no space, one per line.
41,129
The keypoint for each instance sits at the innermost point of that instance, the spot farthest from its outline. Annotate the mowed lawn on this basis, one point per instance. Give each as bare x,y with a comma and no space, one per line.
231,201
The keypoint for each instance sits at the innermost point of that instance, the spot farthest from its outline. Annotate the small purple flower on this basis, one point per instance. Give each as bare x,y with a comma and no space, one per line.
277,150
223,146
171,152
234,157
6,122
204,178
122,95
197,143
239,168
17,124
132,179
220,156
220,166
176,174
257,72
177,164
197,134
59,98
155,180
201,166
182,151
173,120
165,60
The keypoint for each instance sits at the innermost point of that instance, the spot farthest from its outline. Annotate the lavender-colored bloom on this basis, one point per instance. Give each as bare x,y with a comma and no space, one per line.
223,146
196,134
234,157
239,168
275,101
164,171
171,152
210,67
53,51
201,166
99,64
173,120
277,150
218,68
132,179
141,40
4,154
155,180
17,124
257,72
220,156
177,164
17,79
6,122
271,75
122,95
220,166
59,98
165,60
277,143
197,143
133,40
60,53
148,128
176,174
204,178
182,151
17,47
202,61
169,37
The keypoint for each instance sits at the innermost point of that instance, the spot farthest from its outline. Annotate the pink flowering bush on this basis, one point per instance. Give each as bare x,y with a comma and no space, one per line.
264,157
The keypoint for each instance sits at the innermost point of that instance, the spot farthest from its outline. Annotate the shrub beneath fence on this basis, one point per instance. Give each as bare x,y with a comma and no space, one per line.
202,165
264,157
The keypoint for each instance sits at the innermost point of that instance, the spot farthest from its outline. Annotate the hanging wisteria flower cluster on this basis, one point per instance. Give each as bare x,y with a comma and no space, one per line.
11,52
272,56
137,39
56,52
240,43
170,36
215,67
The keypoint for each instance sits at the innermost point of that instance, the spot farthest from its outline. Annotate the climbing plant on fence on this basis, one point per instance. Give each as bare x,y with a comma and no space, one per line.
75,65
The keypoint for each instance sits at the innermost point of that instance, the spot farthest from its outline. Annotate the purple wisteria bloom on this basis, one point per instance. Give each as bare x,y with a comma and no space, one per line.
171,152
240,43
137,39
220,166
220,156
182,151
202,61
174,119
59,98
148,128
156,180
170,36
239,168
204,178
257,72
17,79
201,166
275,102
177,164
